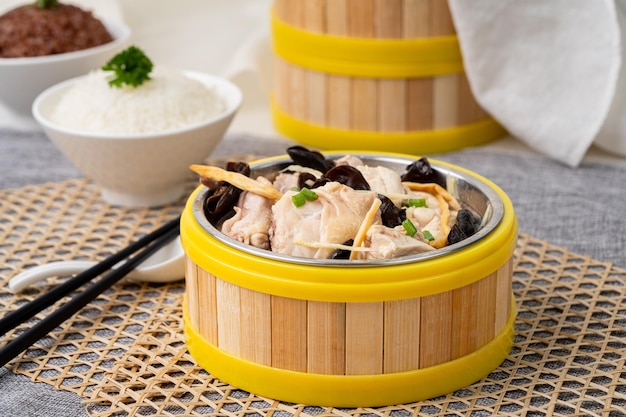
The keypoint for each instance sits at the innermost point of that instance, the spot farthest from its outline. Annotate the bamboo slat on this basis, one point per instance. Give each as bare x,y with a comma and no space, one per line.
419,107
289,328
326,337
315,81
486,309
297,81
416,18
228,317
441,18
503,295
280,87
339,87
445,101
256,327
436,338
420,93
191,290
392,93
364,110
464,304
364,338
207,305
467,109
401,335
446,89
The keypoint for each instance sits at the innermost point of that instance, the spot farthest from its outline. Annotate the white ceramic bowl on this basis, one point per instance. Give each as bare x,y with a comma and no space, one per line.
24,78
136,170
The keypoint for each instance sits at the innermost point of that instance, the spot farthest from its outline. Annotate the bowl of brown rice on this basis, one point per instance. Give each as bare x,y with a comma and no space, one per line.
31,59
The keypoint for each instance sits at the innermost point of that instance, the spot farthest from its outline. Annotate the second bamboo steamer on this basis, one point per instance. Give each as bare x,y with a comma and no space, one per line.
382,75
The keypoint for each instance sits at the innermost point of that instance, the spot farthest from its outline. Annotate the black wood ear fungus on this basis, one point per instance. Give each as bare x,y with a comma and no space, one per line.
222,196
310,159
421,171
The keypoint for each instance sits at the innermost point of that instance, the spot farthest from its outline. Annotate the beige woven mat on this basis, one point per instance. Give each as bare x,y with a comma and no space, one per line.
125,354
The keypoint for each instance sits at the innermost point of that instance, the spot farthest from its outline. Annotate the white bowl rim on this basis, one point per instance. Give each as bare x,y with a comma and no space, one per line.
205,78
121,34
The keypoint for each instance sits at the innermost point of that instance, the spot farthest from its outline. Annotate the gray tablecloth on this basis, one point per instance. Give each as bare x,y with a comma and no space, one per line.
581,209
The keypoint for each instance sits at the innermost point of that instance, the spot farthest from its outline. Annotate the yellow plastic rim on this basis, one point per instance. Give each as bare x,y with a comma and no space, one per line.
416,142
351,390
357,284
364,57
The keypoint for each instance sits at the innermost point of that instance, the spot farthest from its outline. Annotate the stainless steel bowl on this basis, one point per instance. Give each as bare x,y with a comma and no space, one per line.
470,190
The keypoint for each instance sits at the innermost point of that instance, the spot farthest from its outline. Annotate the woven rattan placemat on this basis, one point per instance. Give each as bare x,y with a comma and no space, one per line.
125,353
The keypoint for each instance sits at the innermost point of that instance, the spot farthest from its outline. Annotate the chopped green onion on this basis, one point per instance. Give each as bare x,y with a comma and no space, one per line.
409,227
301,197
417,202
294,189
427,235
308,194
298,200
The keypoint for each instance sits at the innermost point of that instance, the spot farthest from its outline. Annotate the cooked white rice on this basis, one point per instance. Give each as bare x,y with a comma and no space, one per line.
168,101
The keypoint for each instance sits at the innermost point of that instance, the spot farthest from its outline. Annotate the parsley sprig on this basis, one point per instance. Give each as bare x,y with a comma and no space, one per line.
47,4
131,67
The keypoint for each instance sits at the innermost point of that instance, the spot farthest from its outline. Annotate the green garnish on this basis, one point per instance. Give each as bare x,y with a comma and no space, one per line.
417,202
427,235
308,194
47,4
301,197
131,66
409,227
298,200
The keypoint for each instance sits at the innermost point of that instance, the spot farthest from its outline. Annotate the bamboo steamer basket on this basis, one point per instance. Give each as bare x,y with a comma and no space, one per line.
347,333
383,75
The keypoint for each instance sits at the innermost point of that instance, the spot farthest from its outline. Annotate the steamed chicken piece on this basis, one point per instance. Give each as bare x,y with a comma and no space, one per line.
251,222
380,179
285,181
351,160
334,217
384,181
387,243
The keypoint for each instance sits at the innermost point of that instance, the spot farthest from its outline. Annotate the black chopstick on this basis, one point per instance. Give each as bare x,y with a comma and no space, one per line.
67,310
16,317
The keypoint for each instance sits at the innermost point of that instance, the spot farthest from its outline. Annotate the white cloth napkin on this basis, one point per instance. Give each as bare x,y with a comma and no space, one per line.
549,71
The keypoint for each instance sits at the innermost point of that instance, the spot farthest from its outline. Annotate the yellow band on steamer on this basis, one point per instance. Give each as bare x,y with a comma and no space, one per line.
365,57
413,142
